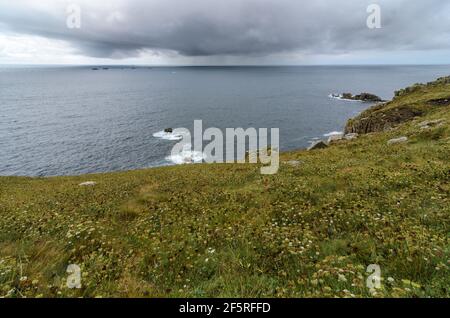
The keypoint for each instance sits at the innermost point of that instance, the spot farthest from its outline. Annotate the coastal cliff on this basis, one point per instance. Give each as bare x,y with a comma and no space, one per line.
225,230
408,103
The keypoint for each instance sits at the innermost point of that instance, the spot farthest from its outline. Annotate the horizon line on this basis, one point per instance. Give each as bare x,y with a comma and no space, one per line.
217,65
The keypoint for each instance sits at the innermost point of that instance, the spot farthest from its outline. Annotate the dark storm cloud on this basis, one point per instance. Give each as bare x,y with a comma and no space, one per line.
125,28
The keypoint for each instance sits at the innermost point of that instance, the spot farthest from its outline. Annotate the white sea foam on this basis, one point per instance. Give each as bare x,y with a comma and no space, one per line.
186,156
333,133
335,96
173,136
313,140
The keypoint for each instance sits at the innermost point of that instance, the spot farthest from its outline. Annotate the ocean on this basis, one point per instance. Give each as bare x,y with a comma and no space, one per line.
76,120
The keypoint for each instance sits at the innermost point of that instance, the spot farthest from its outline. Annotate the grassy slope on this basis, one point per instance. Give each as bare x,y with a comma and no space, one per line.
226,230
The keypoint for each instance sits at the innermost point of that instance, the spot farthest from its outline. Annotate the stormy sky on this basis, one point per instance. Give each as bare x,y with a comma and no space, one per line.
225,32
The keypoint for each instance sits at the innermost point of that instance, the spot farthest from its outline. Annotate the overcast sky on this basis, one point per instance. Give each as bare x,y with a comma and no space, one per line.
224,32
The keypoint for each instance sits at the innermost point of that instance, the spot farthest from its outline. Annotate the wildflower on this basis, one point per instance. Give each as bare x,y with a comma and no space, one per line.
342,278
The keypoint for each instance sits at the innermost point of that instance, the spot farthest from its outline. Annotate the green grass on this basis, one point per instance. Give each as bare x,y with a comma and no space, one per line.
228,231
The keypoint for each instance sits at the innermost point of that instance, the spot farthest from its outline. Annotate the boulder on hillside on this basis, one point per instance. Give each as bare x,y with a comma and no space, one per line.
88,184
351,136
293,163
430,123
400,140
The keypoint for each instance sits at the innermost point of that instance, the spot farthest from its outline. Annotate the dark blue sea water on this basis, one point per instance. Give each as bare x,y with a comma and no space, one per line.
74,120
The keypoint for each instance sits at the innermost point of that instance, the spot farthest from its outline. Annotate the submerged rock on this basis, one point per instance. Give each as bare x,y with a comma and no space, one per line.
347,96
397,140
318,145
364,97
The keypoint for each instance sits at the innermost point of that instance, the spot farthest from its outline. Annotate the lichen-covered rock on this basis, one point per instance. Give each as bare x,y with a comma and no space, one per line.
400,140
430,123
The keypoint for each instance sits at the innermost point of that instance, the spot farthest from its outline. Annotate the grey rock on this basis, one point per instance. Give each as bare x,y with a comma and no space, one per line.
88,184
293,163
351,136
365,97
430,123
397,140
